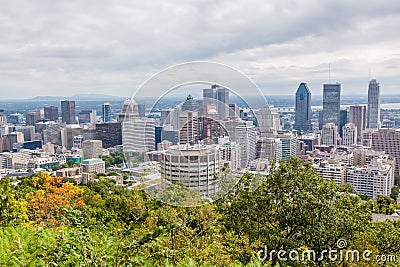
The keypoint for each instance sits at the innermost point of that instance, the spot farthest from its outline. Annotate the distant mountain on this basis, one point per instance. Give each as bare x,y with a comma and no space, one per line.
78,97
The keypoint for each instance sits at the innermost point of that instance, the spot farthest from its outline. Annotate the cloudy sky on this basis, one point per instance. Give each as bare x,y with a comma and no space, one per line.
110,47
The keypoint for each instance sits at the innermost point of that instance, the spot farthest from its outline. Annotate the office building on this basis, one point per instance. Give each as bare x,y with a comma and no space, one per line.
385,140
106,110
194,167
92,149
374,105
329,134
142,110
349,134
15,118
28,131
303,108
218,97
188,125
230,155
77,142
191,104
3,117
130,110
357,116
87,117
289,144
268,118
93,166
51,113
269,148
343,120
32,117
246,138
68,112
110,133
138,135
331,103
234,111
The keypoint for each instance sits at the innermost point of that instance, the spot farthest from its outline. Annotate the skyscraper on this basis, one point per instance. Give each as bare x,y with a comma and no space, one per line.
246,138
358,117
343,121
106,112
374,105
218,97
51,113
331,103
188,123
303,108
68,111
223,102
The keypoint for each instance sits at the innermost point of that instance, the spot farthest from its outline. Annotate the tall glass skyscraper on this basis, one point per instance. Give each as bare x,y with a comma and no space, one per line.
331,104
374,105
303,108
106,112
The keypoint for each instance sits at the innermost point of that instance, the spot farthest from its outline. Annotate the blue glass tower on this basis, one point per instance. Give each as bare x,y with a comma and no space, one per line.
303,108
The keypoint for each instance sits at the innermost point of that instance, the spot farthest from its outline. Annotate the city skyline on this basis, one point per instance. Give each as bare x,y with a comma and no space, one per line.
108,49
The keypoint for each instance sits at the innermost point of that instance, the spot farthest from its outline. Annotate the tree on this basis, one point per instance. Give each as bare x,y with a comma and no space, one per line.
385,205
394,193
293,208
51,197
397,179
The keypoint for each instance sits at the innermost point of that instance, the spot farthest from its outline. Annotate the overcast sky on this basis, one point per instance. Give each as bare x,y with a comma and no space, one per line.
110,47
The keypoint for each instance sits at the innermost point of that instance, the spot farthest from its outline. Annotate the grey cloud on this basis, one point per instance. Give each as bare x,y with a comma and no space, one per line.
115,45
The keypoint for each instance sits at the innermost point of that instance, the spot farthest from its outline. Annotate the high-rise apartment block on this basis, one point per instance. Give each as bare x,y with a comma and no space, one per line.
303,108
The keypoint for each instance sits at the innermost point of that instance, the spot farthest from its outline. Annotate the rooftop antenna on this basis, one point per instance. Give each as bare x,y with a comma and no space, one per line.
369,74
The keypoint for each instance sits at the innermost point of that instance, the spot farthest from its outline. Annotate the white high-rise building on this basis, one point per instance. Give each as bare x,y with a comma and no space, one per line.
329,134
349,134
194,167
138,135
246,137
374,105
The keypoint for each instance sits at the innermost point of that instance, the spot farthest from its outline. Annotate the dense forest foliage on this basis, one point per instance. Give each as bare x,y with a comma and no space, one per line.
48,221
